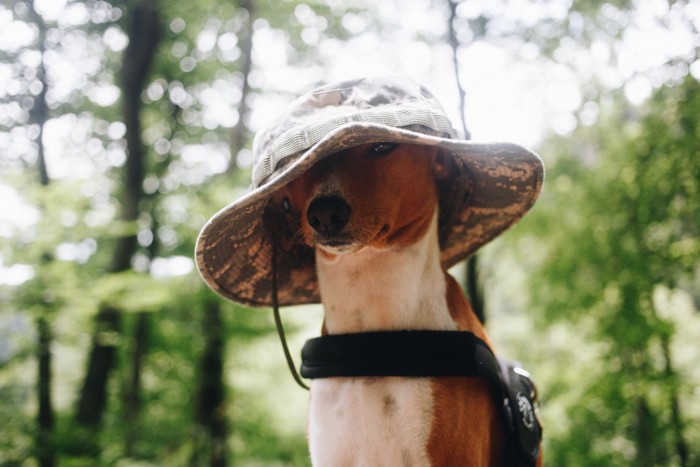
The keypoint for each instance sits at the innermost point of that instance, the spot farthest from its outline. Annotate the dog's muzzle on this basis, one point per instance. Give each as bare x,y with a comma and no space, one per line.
328,215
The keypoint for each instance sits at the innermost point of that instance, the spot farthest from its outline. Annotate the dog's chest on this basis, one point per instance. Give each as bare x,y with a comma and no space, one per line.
370,421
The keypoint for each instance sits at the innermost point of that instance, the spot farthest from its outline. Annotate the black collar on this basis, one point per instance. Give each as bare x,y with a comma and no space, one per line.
398,353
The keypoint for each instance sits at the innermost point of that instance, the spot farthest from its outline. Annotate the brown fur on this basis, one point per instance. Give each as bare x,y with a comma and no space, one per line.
467,424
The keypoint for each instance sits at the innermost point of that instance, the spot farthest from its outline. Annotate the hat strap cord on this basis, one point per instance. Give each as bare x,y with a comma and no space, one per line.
278,322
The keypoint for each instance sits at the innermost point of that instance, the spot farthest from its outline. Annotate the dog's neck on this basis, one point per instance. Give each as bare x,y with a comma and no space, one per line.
385,289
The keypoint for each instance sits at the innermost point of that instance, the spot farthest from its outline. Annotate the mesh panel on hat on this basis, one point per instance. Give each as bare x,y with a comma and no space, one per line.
299,136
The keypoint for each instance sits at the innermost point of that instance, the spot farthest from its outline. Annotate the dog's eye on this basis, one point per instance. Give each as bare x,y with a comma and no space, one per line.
381,149
286,205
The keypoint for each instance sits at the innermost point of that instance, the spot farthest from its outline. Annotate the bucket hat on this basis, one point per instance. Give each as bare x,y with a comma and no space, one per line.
489,187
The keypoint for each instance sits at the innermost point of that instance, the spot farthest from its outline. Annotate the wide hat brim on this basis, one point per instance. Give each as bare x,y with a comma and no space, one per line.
234,252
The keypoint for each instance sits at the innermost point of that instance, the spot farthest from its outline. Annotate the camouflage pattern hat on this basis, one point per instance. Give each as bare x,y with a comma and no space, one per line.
491,186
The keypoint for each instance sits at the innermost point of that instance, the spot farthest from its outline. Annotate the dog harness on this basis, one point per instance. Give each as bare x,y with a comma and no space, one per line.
433,354
425,354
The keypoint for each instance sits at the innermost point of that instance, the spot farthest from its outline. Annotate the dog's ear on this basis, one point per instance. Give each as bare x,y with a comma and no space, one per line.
441,166
282,221
454,189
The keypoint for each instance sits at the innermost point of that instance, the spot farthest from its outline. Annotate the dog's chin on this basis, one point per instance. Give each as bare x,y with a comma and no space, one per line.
338,248
348,241
347,244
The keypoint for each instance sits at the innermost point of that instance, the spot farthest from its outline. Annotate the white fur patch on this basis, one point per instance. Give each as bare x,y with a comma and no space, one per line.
385,289
378,421
370,422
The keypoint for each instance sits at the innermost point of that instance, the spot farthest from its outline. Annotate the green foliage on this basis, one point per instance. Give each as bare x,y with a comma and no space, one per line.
613,232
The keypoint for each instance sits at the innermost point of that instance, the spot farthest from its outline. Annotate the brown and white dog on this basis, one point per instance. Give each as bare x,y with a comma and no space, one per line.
371,214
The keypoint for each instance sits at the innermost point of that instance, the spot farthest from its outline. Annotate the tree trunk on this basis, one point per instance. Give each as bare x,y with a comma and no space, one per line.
677,424
471,282
46,449
211,396
211,416
132,391
646,451
93,397
143,29
473,287
39,111
239,133
44,441
454,45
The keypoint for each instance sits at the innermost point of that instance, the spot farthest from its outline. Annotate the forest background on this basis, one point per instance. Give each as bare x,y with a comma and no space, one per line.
125,124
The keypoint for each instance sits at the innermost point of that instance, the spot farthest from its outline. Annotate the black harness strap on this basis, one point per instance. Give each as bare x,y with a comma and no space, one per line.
434,354
398,353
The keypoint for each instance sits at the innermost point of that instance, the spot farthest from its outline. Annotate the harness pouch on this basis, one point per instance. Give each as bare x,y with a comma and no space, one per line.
523,409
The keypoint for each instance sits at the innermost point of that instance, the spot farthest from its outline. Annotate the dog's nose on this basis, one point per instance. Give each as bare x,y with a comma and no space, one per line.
328,214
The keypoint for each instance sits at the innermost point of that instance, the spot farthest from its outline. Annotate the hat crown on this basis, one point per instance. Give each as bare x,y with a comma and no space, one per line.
391,101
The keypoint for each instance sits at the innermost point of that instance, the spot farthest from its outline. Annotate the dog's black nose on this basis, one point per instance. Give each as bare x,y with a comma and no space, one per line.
328,214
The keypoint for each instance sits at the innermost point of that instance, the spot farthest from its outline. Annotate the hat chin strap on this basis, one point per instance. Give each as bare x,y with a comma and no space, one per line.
278,322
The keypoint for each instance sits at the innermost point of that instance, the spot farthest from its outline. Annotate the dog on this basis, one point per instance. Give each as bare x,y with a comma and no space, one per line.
370,212
362,195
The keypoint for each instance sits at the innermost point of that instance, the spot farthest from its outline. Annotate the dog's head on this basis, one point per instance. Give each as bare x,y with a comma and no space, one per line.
374,195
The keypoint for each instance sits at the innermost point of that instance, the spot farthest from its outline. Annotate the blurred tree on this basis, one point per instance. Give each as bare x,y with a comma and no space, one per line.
471,282
143,31
211,391
240,135
45,441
